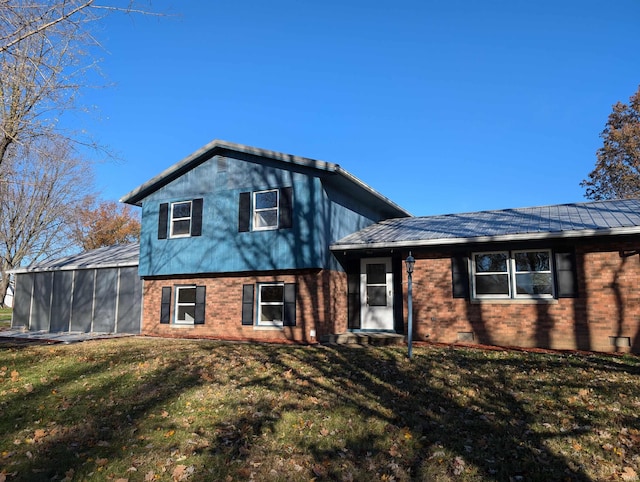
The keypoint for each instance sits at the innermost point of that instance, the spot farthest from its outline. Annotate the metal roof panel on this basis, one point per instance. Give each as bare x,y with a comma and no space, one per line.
579,219
108,257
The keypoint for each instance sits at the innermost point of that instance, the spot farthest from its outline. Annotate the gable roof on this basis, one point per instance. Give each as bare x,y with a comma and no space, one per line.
121,255
344,179
601,218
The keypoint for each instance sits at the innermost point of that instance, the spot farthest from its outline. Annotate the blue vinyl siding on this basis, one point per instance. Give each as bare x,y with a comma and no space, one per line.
320,216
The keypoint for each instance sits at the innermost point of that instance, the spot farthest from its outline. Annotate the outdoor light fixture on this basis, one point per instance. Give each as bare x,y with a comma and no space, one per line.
410,261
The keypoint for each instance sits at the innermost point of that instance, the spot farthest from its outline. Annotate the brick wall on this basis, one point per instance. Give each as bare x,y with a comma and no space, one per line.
320,305
608,305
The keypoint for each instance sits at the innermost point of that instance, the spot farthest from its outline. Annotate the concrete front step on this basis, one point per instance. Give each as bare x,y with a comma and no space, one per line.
362,338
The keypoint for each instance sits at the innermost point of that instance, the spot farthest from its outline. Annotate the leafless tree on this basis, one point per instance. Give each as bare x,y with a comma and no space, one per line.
41,186
45,56
46,59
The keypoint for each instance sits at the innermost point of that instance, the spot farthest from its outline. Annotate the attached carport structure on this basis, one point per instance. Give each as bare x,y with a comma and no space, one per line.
96,291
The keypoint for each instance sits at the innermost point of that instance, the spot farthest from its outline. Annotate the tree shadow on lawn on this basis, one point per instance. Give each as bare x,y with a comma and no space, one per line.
442,413
421,413
87,425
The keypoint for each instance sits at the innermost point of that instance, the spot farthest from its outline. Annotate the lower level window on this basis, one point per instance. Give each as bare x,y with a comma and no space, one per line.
512,274
270,304
185,311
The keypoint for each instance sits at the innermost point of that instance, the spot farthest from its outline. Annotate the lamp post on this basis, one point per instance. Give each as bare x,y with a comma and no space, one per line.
410,261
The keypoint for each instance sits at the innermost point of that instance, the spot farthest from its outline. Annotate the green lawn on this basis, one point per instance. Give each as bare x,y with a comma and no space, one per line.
143,409
5,317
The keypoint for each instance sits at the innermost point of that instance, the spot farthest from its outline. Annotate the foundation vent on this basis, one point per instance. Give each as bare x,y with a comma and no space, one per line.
465,336
620,341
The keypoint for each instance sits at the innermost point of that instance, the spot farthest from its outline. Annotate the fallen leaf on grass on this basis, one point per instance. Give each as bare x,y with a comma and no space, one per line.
458,466
394,452
628,474
182,472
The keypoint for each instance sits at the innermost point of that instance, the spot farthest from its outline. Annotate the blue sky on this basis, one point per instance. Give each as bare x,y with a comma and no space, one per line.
442,106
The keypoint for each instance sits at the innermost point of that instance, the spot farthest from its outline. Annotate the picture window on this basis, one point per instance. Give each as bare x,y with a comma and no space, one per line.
510,275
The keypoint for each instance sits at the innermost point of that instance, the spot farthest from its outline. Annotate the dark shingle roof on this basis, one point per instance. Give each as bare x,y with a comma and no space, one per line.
107,257
565,220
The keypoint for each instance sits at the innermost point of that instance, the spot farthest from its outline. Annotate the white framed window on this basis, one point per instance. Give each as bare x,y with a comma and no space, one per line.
181,219
532,275
512,274
185,309
265,209
270,304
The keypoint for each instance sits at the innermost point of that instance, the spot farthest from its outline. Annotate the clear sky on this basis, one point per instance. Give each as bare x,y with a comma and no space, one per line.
443,106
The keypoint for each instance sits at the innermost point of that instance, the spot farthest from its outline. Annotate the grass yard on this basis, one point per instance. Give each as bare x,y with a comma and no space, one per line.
139,409
5,317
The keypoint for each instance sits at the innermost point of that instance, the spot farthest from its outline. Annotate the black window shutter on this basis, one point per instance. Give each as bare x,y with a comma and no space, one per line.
247,304
163,221
244,212
196,217
460,276
200,305
165,305
289,305
353,295
286,194
566,279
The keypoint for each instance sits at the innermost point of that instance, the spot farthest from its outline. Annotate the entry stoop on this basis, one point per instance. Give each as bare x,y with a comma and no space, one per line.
373,339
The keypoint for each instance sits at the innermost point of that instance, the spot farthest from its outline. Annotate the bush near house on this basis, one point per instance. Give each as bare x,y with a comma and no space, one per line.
141,409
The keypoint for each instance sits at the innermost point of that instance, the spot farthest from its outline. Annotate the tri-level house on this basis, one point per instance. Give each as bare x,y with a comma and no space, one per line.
235,243
251,244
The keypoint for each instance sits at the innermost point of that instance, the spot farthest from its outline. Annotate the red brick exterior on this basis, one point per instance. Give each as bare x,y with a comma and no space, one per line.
320,306
607,305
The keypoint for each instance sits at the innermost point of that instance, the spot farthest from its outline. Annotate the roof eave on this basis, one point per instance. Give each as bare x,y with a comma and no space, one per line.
588,233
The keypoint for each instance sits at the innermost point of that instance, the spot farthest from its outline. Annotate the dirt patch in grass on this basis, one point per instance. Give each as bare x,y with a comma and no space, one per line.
152,409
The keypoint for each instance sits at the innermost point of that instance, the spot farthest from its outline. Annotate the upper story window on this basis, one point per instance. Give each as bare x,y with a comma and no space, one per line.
512,274
181,219
265,209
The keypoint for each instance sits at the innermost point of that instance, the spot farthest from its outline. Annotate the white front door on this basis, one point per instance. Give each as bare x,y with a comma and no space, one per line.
376,294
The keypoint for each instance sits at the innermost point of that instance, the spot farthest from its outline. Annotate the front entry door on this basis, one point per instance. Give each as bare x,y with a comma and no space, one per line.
376,294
